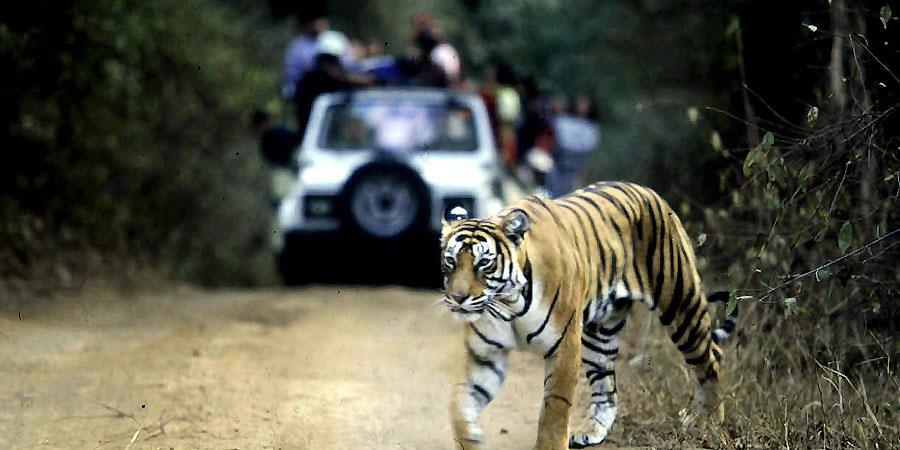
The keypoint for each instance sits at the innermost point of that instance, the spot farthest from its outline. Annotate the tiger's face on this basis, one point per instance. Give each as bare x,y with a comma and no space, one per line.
480,263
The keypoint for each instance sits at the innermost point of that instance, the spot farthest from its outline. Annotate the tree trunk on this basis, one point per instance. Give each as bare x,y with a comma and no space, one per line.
836,67
749,113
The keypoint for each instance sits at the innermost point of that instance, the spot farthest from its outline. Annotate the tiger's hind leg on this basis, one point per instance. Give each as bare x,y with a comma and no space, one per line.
599,350
693,337
706,369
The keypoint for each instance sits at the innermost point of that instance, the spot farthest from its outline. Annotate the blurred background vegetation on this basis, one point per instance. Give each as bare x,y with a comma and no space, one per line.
771,126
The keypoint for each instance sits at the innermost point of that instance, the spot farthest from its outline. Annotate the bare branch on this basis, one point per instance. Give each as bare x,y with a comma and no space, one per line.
771,291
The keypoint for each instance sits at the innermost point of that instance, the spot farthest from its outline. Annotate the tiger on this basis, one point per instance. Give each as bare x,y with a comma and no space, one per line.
558,277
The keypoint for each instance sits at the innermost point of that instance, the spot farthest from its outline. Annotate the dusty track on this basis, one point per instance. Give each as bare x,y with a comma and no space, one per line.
317,368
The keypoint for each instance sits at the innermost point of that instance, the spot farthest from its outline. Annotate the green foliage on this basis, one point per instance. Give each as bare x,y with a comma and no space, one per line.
808,204
646,62
759,153
812,116
732,303
124,131
845,236
805,177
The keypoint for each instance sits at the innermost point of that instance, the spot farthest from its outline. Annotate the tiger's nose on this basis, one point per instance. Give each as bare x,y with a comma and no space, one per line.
458,297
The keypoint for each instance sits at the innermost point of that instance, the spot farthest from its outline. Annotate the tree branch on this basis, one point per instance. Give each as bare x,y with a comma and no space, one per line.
771,291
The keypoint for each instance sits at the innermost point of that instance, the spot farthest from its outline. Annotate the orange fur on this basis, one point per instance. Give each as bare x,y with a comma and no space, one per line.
585,259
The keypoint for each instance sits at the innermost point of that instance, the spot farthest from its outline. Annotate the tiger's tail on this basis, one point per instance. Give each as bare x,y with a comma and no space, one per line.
724,331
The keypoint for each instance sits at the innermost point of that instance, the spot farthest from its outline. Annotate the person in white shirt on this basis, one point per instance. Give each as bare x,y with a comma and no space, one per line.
301,53
576,135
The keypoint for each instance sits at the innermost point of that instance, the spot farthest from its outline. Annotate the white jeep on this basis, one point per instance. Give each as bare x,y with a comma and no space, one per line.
377,170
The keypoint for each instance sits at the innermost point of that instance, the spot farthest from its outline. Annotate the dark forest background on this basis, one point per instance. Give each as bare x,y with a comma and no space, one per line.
772,127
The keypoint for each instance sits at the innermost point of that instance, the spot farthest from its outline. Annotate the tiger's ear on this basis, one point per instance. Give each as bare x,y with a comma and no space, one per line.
514,225
445,229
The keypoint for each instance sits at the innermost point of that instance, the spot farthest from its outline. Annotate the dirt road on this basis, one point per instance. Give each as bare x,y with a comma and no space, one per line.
316,368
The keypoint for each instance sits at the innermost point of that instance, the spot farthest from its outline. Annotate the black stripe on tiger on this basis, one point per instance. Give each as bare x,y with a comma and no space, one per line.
528,292
485,338
597,375
483,393
598,349
682,327
582,234
534,334
611,331
561,336
484,362
595,252
537,200
702,357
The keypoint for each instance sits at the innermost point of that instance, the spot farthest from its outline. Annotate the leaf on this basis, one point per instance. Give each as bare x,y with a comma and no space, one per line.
885,15
732,303
715,140
760,243
750,160
771,199
701,239
767,141
734,26
805,178
820,236
812,115
778,172
799,238
693,114
758,153
845,237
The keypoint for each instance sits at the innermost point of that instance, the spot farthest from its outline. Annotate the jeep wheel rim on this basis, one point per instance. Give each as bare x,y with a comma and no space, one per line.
384,205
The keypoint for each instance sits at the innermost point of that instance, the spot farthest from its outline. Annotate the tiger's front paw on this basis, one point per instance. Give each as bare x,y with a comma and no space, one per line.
469,434
469,445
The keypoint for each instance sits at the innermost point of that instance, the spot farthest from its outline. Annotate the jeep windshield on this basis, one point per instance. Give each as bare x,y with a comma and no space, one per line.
399,125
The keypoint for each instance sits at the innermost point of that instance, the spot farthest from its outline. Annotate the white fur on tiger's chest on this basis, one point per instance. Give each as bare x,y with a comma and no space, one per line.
536,330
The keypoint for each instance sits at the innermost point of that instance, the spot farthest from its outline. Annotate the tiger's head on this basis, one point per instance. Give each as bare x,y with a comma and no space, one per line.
483,263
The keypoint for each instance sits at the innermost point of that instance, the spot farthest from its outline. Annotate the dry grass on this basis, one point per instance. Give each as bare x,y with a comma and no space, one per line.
779,392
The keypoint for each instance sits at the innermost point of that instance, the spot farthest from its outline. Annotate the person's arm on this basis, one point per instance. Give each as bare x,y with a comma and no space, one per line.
359,79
